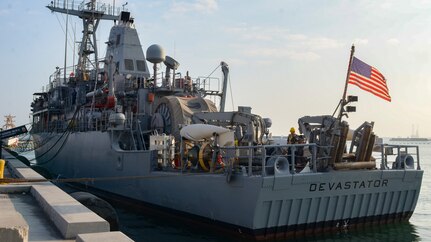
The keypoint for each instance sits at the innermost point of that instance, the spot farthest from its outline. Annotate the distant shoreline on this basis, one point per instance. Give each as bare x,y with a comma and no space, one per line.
410,139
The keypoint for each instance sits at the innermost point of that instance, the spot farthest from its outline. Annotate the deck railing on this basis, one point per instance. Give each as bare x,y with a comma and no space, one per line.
399,157
269,160
80,5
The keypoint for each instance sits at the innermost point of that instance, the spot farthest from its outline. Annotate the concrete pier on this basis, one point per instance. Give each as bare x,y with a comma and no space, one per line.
13,226
43,212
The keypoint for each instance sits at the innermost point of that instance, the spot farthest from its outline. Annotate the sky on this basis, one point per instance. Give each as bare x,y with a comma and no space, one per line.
287,58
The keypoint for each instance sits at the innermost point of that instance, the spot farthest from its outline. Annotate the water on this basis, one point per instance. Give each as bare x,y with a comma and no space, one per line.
141,226
422,215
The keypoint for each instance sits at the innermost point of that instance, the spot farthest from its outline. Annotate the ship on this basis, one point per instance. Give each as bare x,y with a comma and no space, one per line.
164,141
410,139
414,138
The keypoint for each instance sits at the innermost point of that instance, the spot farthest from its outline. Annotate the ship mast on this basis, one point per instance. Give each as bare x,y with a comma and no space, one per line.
91,13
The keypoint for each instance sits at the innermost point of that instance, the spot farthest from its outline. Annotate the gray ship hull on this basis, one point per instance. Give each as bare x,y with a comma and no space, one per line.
279,205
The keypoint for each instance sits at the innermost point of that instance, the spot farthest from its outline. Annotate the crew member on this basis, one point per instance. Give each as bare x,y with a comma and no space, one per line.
293,137
300,160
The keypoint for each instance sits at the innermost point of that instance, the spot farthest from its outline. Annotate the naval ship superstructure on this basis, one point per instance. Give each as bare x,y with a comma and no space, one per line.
165,140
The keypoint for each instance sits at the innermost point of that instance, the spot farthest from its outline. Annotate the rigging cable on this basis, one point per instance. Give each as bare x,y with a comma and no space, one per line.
64,31
66,132
208,76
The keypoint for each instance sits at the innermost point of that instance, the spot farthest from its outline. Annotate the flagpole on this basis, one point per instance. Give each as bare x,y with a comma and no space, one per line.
343,99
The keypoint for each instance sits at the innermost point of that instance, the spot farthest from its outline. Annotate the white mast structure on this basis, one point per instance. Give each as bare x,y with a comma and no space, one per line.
91,13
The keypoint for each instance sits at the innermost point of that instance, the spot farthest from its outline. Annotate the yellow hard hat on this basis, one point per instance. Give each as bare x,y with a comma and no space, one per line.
292,130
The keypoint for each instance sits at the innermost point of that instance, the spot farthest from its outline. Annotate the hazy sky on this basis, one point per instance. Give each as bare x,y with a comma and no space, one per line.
287,58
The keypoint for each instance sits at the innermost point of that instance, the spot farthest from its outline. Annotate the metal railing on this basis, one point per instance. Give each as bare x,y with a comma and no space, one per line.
271,159
52,126
399,157
210,84
80,5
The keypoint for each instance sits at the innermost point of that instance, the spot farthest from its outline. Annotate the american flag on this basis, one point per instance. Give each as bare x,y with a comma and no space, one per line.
368,79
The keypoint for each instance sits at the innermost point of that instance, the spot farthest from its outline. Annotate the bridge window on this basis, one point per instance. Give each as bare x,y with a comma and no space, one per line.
140,64
118,39
128,64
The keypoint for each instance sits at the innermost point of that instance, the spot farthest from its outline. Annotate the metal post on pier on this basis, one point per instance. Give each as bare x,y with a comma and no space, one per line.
2,165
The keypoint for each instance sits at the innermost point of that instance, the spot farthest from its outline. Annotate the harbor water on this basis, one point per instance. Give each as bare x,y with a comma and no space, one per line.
144,226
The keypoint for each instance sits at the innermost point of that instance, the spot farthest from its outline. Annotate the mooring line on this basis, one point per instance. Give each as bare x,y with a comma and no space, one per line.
93,179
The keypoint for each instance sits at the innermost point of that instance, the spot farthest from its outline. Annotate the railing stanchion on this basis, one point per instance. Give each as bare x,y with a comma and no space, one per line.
417,156
250,159
383,163
314,158
263,161
293,151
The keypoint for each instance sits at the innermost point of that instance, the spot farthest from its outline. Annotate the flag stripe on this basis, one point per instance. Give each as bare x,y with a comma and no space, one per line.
369,88
365,87
368,79
385,97
368,85
376,85
376,72
378,79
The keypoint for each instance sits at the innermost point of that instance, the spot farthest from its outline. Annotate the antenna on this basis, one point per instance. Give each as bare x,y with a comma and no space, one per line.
65,45
91,13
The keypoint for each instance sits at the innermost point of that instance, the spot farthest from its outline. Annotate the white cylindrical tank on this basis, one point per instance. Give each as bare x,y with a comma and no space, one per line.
197,132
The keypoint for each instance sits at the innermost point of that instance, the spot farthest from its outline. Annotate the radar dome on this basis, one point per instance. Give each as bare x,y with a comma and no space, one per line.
155,54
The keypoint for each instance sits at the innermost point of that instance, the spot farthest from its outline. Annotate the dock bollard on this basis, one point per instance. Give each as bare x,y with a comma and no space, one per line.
2,163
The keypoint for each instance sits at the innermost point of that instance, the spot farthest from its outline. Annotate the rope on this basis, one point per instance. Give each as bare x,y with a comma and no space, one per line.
64,31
